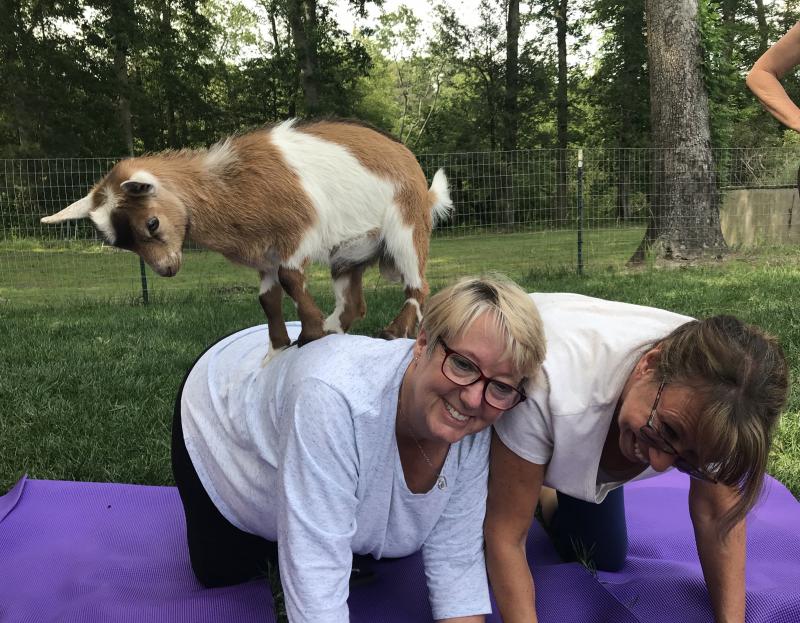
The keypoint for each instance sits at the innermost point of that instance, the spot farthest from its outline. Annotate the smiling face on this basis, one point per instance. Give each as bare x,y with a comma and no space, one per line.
677,410
439,410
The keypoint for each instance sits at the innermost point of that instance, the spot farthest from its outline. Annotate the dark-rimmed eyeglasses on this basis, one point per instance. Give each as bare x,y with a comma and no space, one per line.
463,371
655,438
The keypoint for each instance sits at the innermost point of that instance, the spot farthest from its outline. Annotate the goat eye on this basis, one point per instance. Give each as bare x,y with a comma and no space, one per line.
152,224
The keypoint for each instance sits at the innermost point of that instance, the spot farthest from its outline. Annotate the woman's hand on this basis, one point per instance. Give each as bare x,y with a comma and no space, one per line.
722,558
514,486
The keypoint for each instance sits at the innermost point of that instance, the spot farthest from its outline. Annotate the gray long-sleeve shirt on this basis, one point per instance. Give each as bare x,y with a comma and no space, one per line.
302,451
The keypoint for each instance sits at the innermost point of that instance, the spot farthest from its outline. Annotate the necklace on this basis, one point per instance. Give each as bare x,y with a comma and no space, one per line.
441,481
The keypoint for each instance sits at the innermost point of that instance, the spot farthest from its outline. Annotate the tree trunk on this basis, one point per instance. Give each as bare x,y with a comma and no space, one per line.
303,23
122,21
562,112
763,29
728,9
168,77
512,76
684,222
510,112
14,36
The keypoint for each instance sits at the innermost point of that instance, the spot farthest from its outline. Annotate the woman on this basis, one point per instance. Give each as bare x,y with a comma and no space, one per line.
625,393
353,445
764,78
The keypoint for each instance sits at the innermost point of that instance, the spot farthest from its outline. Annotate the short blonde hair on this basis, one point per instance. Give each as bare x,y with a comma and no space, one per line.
451,311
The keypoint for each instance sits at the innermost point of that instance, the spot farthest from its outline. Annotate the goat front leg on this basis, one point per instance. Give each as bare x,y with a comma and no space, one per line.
270,297
294,283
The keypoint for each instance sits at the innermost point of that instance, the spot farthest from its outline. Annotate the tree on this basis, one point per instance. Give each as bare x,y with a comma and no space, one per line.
303,21
684,222
410,70
619,92
510,109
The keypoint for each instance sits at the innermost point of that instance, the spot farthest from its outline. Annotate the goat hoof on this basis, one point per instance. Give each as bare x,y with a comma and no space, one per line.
387,335
305,338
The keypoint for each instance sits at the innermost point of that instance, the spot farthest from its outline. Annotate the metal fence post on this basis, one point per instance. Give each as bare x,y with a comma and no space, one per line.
143,274
580,211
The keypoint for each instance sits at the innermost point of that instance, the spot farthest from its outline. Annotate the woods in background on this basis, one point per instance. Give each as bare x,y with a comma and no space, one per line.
126,77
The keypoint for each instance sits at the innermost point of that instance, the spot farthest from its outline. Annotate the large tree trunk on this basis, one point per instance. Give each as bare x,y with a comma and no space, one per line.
303,23
684,222
562,112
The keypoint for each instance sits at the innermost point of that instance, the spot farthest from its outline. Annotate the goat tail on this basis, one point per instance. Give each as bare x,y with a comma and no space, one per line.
439,197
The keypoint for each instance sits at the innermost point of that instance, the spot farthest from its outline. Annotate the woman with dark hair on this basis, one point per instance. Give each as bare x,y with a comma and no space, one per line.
624,393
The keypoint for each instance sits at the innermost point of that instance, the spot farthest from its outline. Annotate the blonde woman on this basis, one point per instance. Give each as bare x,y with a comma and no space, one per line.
354,445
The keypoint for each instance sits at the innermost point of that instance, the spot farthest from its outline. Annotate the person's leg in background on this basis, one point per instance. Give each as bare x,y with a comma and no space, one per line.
594,534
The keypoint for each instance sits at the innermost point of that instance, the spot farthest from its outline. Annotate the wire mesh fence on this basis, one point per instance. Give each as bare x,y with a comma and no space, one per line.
514,211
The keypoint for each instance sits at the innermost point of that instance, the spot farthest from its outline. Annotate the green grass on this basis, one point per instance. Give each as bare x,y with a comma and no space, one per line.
32,270
89,376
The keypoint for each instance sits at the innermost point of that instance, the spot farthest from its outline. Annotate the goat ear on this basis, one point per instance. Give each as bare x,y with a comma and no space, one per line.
136,188
79,209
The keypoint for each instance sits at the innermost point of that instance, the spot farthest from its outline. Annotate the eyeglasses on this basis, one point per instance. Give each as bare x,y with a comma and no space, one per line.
462,371
655,438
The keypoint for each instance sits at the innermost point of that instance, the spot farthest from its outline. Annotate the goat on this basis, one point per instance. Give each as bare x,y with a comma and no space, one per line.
331,191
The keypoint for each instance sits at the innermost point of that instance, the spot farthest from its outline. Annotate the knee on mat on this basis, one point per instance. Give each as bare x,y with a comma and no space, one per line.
612,560
212,574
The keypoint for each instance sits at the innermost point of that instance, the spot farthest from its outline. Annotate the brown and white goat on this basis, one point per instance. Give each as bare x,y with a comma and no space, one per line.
334,192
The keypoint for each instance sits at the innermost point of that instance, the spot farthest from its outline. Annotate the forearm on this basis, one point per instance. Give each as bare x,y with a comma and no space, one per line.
512,582
723,563
766,87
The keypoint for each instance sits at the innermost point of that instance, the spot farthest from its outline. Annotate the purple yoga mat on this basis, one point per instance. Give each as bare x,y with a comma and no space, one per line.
86,552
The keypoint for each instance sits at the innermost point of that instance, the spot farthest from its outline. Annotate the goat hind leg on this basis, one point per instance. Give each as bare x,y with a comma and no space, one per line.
405,323
350,305
407,254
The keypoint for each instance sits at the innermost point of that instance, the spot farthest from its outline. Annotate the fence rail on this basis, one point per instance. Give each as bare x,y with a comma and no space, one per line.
516,211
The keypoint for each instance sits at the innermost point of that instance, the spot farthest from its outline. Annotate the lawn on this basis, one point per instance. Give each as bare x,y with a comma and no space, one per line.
32,270
90,373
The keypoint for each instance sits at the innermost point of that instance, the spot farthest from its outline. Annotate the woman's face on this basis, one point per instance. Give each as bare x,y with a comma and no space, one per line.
441,410
676,415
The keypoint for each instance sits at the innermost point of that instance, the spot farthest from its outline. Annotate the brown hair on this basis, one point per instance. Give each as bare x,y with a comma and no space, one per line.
742,378
452,310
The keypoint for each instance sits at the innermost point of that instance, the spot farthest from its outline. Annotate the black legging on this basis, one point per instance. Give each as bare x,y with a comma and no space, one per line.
593,533
221,554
